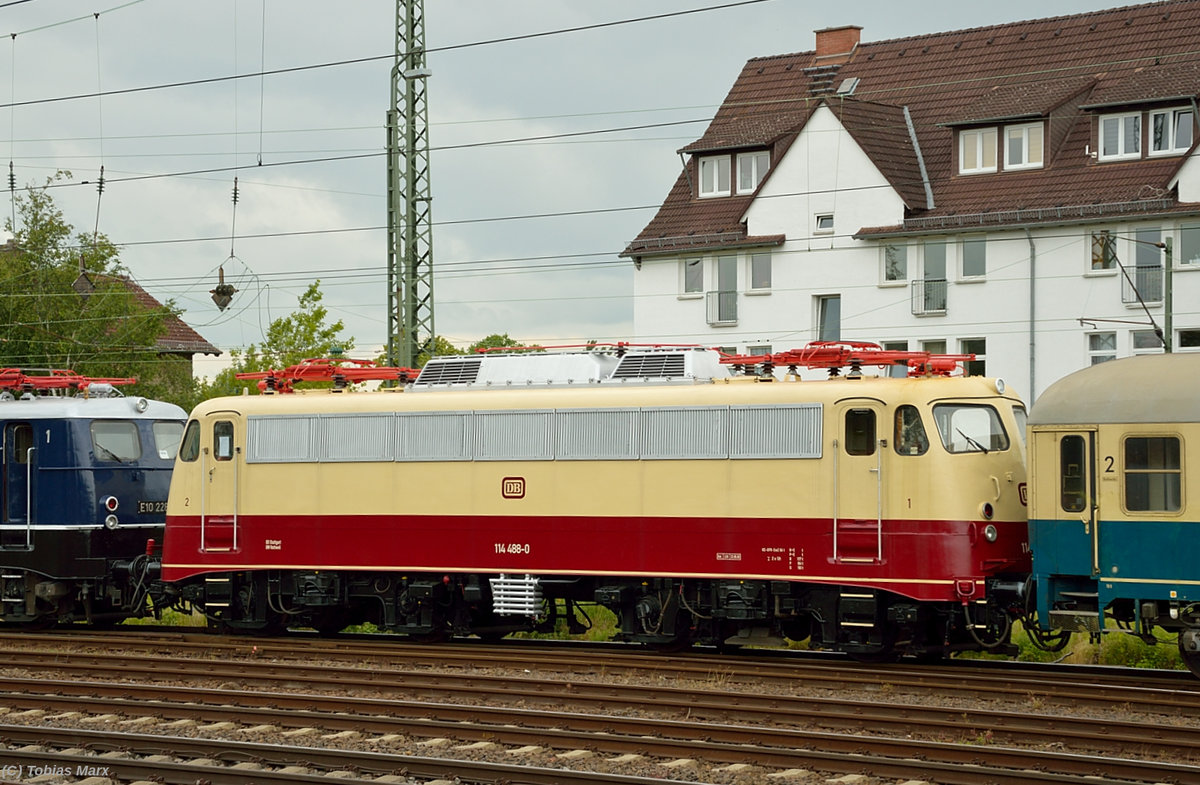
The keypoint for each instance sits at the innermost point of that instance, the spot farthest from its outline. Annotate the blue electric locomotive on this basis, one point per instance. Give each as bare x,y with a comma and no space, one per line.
85,473
1114,513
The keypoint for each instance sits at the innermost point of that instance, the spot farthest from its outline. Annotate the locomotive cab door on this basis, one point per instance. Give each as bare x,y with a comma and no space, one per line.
220,455
20,458
859,467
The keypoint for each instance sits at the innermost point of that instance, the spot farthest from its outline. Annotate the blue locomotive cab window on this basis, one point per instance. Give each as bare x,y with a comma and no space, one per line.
860,432
21,437
223,440
115,440
189,446
1153,474
969,427
910,437
1072,456
166,438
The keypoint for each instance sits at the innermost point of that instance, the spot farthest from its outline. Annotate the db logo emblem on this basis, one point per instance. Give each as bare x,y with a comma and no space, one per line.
512,487
1023,492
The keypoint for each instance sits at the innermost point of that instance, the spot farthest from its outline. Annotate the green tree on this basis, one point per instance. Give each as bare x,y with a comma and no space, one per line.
64,303
303,335
441,348
494,341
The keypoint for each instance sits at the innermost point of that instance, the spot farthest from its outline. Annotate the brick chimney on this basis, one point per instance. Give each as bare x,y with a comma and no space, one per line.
834,41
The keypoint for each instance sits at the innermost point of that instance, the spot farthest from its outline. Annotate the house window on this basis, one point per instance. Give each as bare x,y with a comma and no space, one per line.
1153,474
1189,245
1146,342
722,304
752,168
823,223
693,276
977,151
1170,131
934,347
760,271
1104,250
1023,146
758,351
974,257
895,262
929,295
1120,136
1148,273
896,371
1189,341
714,176
1102,347
829,318
977,347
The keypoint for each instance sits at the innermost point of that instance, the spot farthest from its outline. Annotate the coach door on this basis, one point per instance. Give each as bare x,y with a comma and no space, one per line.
20,458
858,483
1067,541
221,456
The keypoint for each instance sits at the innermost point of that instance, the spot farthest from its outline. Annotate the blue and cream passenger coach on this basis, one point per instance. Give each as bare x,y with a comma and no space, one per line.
1115,500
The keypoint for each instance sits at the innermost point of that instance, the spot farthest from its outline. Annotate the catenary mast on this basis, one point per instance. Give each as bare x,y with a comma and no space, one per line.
410,225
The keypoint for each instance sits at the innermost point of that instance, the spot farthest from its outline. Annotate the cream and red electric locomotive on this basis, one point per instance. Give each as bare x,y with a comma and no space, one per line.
700,497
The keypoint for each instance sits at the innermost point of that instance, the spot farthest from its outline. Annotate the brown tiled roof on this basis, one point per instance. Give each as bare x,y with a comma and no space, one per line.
179,338
1053,67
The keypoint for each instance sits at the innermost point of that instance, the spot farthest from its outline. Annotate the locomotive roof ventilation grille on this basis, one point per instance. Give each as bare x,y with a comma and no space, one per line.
450,370
683,365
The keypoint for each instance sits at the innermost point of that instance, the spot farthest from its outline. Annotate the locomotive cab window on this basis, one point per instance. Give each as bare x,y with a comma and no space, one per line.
1153,474
166,438
966,428
223,440
860,432
20,436
116,440
1072,453
189,446
910,437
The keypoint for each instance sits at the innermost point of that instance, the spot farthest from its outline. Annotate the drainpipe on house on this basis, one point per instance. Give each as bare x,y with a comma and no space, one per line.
1032,313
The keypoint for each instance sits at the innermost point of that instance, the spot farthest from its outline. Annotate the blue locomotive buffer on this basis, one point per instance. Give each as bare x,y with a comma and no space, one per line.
84,490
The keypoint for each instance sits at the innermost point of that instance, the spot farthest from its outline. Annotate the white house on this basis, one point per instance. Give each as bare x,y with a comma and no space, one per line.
1014,192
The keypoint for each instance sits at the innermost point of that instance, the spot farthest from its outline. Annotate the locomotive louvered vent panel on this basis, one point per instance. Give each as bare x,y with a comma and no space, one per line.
434,436
775,431
514,436
651,365
450,370
280,439
596,434
698,432
356,437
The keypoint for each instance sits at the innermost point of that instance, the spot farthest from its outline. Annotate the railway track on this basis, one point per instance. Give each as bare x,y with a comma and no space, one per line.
722,725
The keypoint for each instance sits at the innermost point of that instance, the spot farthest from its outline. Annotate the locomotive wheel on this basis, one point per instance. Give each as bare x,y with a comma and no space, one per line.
876,656
1190,658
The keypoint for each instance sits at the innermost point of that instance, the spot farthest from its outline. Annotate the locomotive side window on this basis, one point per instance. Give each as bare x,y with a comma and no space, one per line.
969,428
1152,474
910,438
1072,453
1022,421
189,447
115,440
223,440
860,432
166,438
22,440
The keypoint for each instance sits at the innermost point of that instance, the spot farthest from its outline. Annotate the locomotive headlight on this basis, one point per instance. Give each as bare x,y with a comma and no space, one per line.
110,503
989,533
141,405
1000,386
111,522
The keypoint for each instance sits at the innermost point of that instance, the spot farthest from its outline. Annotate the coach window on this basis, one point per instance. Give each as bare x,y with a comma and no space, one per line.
223,440
1152,474
911,438
189,447
115,440
860,432
1072,456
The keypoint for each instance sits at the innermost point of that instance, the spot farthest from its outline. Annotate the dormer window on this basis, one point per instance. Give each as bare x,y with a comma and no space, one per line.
1023,146
1170,131
977,150
752,168
1120,136
714,176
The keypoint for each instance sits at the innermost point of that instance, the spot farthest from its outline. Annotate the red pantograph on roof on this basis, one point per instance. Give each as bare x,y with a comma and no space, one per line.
342,372
835,355
16,380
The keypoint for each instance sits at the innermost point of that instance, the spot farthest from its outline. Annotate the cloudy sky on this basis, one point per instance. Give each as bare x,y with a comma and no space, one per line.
526,233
